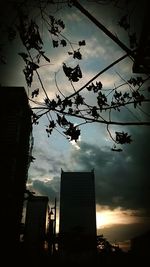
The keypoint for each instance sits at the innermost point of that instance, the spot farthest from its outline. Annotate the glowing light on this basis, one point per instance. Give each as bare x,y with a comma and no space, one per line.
106,218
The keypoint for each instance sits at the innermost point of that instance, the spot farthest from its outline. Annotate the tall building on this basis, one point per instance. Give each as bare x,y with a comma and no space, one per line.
15,145
142,59
36,224
77,228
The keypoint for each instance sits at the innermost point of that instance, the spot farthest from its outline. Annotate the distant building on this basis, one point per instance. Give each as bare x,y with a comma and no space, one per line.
77,216
36,223
15,145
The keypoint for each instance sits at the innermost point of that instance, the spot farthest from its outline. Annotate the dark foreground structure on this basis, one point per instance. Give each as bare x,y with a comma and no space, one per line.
36,228
77,231
15,144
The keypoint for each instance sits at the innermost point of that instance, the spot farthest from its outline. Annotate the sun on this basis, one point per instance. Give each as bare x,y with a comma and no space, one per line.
103,219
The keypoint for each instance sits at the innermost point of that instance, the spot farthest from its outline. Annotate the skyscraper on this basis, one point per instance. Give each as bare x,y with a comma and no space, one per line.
77,214
15,145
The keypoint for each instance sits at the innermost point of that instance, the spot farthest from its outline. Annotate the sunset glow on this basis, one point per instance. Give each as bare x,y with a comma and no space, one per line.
105,218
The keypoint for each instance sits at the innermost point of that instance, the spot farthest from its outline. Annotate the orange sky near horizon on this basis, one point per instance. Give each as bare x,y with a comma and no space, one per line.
107,217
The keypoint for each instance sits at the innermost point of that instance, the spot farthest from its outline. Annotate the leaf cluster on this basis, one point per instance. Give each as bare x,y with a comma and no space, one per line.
123,138
73,74
29,33
30,67
72,132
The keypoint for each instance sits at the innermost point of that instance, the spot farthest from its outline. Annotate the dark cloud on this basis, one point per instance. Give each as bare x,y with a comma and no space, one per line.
122,179
46,164
49,189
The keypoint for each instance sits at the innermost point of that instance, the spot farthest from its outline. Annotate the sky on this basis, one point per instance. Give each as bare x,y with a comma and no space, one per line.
122,183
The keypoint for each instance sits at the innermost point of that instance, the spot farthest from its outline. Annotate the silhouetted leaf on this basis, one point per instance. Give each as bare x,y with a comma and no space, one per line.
97,87
59,100
77,55
34,118
123,138
82,43
49,131
28,72
126,95
52,124
117,95
55,26
79,100
90,87
61,23
63,43
35,93
67,70
137,97
62,121
67,102
136,81
55,43
94,112
29,34
72,73
101,100
50,127
53,104
73,132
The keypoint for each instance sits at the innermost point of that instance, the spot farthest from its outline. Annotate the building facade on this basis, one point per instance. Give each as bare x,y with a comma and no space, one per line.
35,233
77,223
15,137
36,224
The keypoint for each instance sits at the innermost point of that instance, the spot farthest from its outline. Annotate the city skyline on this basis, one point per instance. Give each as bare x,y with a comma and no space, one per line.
121,179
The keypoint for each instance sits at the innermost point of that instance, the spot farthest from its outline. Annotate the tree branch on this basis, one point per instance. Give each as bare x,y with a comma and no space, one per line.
103,28
98,74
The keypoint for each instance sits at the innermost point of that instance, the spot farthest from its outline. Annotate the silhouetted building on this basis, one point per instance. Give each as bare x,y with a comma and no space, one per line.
77,216
15,137
36,223
142,60
140,246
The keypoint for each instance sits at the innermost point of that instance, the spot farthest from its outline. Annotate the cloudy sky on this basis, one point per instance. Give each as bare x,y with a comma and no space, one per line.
121,178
